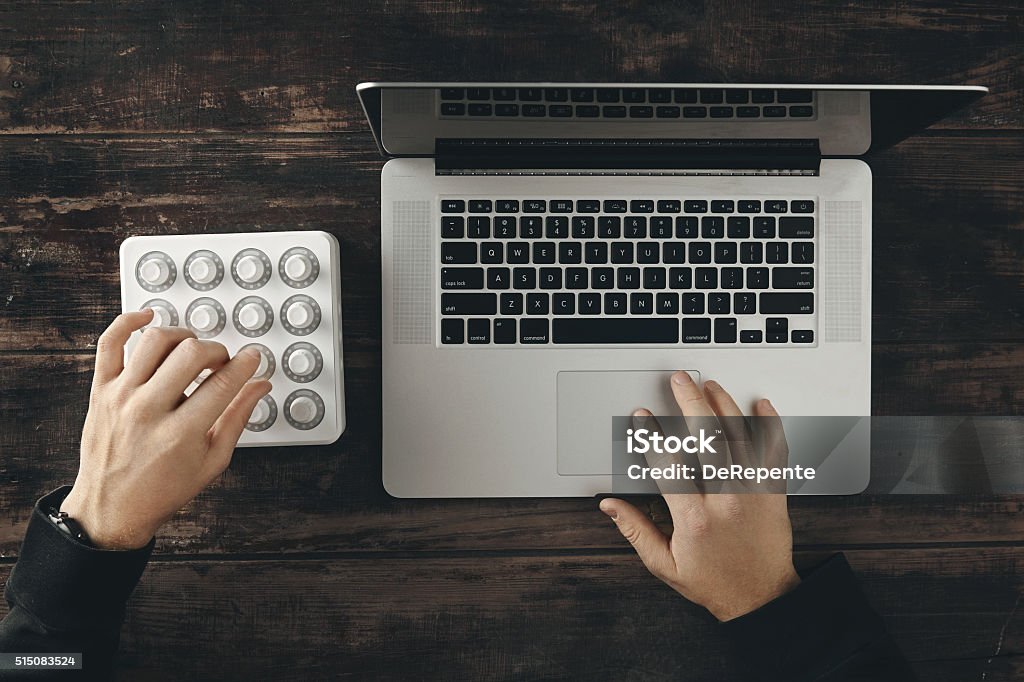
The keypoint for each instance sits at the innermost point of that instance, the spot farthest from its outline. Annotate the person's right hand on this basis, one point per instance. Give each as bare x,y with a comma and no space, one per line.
730,552
147,450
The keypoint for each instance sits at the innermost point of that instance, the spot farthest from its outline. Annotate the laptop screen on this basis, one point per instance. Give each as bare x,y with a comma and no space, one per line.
845,120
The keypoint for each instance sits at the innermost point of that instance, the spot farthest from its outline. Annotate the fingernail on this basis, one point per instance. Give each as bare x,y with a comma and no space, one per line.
609,510
681,378
250,353
641,412
711,385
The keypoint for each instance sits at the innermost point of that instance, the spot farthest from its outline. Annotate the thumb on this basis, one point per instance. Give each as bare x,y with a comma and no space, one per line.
651,545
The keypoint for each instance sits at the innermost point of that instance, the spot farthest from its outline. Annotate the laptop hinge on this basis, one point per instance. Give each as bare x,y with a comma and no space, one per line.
505,156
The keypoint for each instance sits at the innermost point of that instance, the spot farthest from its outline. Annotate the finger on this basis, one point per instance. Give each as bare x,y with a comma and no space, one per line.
110,345
651,545
734,426
228,428
644,419
208,402
697,413
153,348
184,364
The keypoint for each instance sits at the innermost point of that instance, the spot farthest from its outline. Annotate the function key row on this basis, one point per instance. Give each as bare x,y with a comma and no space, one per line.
632,95
624,206
641,111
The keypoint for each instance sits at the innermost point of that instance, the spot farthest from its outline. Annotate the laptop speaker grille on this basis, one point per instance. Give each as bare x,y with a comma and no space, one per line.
412,283
841,271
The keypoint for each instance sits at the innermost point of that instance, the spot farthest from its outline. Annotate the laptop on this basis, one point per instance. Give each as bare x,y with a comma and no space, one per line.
553,252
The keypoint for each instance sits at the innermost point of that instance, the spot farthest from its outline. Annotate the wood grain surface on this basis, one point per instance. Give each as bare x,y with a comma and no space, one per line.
155,117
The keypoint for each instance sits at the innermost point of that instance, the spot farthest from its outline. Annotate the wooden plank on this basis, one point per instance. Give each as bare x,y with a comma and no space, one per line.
948,226
330,498
955,613
74,67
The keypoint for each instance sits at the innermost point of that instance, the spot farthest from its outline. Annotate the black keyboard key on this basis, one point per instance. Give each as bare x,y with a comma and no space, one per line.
491,252
505,227
666,304
673,253
583,227
648,253
774,112
577,278
504,331
731,278
614,205
641,303
614,112
705,278
744,303
687,227
453,109
609,227
748,112
452,331
587,111
534,331
802,253
659,95
762,96
695,112
581,94
507,206
560,110
787,304
777,253
602,278
551,278
518,252
776,337
764,227
453,206
641,112
615,304
635,227
750,336
776,324
725,330
628,278
608,95
588,206
667,112
537,304
543,253
634,95
757,278
723,206
453,227
557,227
563,304
718,303
596,253
751,253
590,304
693,304
479,109
478,93
570,253
776,206
790,96
710,96
712,227
530,94
479,227
725,253
532,227
458,253
801,112
498,278
685,96
680,278
556,94
511,304
503,94
641,206
696,330
560,206
469,304
535,206
734,96
792,278
700,252
524,278
670,206
462,278
654,278
452,93
535,110
661,227
622,252
581,330
796,228
695,206
738,227
802,336
802,206
506,109
478,331
721,112
749,206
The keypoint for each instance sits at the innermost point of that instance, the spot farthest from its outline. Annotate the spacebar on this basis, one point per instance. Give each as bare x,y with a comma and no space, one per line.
611,330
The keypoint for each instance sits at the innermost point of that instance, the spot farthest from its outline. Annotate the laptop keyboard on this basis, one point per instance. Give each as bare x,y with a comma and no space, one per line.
621,103
677,271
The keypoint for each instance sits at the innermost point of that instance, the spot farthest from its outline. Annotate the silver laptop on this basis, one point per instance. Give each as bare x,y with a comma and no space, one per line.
552,252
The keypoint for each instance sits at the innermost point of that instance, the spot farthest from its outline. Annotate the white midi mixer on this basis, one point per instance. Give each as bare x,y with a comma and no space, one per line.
278,292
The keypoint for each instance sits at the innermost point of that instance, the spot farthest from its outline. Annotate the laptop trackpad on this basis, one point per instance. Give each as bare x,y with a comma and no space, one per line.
587,401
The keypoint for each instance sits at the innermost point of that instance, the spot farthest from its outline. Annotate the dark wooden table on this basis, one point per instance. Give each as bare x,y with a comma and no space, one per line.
191,116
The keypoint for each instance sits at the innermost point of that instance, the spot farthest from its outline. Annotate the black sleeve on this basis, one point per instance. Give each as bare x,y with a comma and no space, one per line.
67,597
824,630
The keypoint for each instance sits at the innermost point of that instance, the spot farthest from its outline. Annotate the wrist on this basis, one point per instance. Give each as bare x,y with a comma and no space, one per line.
755,599
104,530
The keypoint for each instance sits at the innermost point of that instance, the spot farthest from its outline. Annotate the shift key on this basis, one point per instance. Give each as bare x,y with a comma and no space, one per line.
469,304
455,253
786,304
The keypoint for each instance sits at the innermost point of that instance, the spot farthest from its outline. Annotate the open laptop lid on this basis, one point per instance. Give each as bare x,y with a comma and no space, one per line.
418,119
